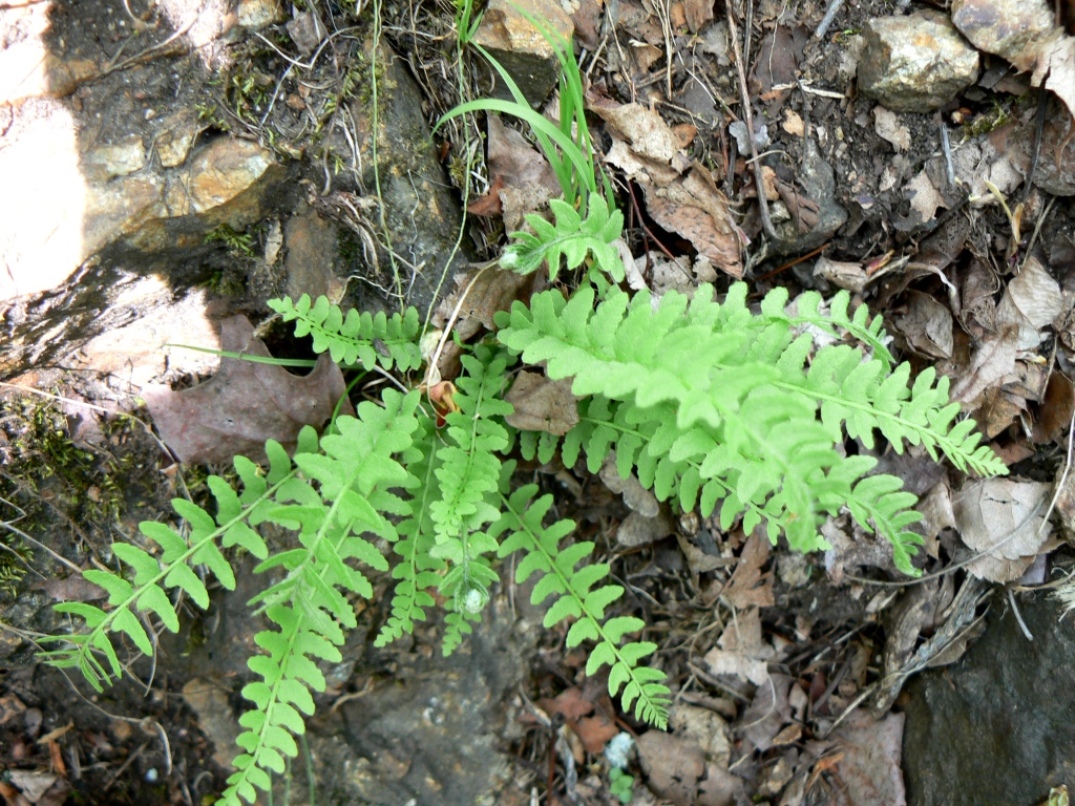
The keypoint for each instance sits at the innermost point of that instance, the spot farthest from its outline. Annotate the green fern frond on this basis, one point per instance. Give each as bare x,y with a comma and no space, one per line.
417,572
580,596
711,400
570,237
468,476
351,339
153,576
354,473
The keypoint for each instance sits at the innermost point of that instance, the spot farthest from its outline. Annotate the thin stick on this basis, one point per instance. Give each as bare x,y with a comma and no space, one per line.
748,117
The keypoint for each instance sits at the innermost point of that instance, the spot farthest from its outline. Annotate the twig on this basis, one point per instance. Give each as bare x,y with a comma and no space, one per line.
1019,616
826,21
946,147
748,117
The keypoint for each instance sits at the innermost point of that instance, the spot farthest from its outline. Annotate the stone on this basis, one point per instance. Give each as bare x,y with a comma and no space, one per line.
174,143
254,15
1003,27
916,63
312,256
224,169
118,159
521,48
997,727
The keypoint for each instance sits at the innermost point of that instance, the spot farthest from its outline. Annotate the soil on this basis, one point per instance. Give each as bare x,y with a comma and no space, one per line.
68,468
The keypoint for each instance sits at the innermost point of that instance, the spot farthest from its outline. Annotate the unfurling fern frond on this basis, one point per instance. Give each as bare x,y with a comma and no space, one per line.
570,237
579,595
353,339
709,399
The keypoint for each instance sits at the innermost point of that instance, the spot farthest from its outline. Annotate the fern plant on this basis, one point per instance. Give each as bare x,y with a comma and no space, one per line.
711,403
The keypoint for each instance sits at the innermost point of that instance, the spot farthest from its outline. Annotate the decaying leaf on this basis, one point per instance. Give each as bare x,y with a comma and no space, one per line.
742,651
1002,519
491,289
245,403
1032,301
927,325
842,274
681,195
637,497
526,181
542,405
748,586
868,767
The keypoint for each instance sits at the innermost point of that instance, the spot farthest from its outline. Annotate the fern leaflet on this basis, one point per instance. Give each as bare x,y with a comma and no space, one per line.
570,237
352,339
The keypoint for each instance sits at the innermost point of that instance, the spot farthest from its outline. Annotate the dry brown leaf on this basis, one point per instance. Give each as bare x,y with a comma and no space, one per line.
489,205
493,290
869,765
1032,301
681,195
748,586
542,405
698,14
1002,518
527,180
742,651
927,325
245,403
673,767
993,362
637,497
1057,409
842,274
767,715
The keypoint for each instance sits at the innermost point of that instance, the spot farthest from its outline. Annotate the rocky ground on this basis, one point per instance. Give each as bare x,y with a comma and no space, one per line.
167,166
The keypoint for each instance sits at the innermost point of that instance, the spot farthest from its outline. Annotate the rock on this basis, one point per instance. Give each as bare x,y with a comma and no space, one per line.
118,159
176,138
997,727
75,199
916,63
1002,27
254,15
421,215
521,48
312,257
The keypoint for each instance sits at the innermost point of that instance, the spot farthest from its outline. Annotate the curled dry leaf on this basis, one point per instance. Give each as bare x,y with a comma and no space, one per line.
681,195
927,325
842,274
542,405
492,289
1002,519
245,403
1032,301
523,180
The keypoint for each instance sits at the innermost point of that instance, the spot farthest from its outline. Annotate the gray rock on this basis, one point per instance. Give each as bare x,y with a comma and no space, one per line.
1002,27
998,727
916,63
